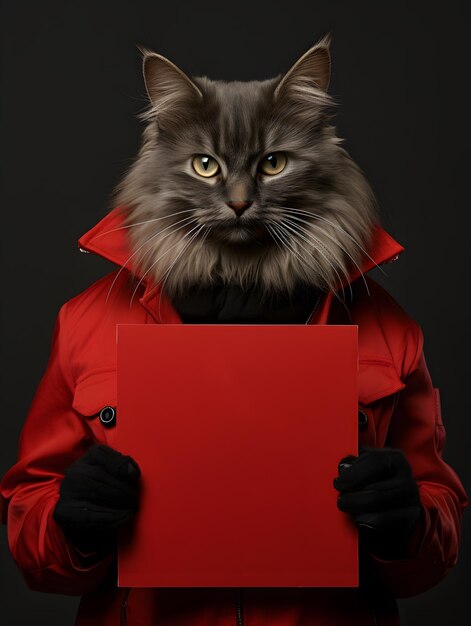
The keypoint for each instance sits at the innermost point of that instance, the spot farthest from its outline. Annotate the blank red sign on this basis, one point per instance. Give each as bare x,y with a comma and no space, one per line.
238,430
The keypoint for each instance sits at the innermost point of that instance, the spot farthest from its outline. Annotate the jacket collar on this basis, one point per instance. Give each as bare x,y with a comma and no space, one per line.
108,239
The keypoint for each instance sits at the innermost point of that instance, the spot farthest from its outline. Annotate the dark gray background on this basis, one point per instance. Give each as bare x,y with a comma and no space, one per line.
71,87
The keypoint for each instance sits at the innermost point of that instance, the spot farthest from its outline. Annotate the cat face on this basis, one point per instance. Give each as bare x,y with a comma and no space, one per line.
244,181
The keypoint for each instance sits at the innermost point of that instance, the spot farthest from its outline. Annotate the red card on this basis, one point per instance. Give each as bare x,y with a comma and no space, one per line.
238,430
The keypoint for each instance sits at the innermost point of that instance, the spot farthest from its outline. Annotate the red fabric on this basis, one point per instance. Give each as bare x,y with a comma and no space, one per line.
395,391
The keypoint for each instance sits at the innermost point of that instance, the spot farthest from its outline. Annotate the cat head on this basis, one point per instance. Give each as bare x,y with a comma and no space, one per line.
244,181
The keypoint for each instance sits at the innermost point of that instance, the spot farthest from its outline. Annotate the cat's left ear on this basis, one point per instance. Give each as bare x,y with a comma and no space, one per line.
169,89
311,70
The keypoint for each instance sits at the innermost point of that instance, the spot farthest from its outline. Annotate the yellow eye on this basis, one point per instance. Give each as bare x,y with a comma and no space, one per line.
273,163
205,165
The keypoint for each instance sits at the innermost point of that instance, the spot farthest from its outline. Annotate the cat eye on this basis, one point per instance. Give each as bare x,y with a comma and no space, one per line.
205,165
273,163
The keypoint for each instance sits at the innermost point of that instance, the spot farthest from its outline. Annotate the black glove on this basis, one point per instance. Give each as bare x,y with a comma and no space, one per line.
99,493
379,492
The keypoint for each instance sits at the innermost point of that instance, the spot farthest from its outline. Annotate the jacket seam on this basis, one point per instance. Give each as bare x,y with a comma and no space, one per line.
382,393
59,340
377,361
441,486
438,417
418,349
55,563
96,370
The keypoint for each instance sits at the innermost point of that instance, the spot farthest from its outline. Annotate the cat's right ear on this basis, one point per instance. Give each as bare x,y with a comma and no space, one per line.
310,73
169,89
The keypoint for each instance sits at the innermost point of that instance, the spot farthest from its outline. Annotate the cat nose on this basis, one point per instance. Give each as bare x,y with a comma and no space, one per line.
239,206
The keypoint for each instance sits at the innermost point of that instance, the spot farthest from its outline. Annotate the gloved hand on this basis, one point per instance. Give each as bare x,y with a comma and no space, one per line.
99,493
379,492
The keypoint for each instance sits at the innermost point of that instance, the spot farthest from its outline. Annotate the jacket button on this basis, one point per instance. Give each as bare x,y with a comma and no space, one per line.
362,419
108,416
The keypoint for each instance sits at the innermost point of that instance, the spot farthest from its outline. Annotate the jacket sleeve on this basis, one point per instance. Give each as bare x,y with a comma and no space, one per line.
417,428
52,437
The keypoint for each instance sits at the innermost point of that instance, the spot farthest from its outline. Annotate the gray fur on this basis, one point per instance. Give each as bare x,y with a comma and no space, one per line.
235,121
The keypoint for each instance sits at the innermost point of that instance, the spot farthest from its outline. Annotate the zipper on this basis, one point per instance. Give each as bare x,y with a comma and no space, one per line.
239,609
84,250
123,619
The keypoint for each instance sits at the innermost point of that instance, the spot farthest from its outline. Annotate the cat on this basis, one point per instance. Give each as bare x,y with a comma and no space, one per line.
244,183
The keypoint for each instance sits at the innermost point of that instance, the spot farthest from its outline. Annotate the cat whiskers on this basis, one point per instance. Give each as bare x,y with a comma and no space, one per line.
326,234
185,219
153,219
319,247
342,301
338,227
162,255
266,224
167,272
284,236
274,230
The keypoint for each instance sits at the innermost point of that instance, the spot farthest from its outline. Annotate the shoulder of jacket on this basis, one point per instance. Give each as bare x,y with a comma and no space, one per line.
88,321
111,292
92,292
386,327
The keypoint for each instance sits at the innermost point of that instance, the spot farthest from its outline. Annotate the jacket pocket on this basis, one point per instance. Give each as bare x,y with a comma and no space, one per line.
377,379
95,401
440,435
379,385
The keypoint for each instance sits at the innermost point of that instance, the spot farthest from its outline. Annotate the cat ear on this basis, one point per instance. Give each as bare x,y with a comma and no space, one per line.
311,71
168,87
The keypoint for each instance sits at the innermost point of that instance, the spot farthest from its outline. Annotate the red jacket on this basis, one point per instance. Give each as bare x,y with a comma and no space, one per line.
398,407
